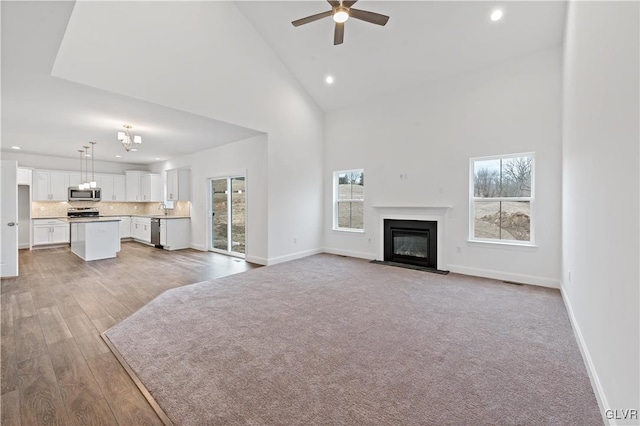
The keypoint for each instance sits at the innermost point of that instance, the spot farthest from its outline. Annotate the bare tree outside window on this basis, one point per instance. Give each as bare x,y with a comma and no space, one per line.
501,198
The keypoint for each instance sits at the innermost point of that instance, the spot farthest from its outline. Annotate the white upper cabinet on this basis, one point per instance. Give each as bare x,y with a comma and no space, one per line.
24,176
151,187
113,187
143,186
49,185
178,185
133,185
75,179
119,188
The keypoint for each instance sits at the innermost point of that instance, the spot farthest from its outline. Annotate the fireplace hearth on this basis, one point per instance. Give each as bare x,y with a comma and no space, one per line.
411,242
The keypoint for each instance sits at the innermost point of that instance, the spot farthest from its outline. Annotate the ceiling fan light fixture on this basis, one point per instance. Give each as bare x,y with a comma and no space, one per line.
341,15
496,15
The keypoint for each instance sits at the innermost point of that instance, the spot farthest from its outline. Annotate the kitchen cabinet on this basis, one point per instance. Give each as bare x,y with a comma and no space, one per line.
143,186
24,176
75,179
113,187
178,184
125,227
50,185
50,231
141,229
150,187
132,180
119,188
175,233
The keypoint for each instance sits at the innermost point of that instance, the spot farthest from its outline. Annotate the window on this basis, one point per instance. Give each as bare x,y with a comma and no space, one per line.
348,196
502,198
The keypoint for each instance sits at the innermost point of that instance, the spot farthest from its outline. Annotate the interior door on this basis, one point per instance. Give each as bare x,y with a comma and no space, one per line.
228,215
9,219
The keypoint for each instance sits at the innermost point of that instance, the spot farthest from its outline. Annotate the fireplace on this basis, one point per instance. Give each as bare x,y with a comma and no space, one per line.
412,242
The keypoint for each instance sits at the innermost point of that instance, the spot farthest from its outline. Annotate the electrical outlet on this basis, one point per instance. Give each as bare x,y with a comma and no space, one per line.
110,207
295,240
135,207
458,249
369,240
569,276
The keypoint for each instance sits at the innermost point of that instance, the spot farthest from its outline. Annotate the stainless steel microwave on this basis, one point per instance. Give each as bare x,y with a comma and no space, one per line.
91,194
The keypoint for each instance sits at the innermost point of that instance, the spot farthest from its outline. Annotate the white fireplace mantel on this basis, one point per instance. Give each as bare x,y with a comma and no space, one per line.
433,213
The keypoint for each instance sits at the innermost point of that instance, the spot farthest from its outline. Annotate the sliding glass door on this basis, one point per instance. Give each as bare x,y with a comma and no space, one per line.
228,215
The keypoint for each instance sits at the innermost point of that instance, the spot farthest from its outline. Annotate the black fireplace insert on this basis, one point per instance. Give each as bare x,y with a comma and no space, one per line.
412,242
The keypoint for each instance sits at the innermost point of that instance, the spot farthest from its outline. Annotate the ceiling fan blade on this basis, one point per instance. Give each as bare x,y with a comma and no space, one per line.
338,34
363,15
311,18
334,3
349,3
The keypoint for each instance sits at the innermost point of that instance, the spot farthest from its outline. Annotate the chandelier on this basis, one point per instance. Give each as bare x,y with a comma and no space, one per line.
129,141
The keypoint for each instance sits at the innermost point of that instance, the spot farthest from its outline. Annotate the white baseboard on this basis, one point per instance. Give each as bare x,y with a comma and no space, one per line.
199,247
591,370
255,259
293,256
358,254
505,276
24,246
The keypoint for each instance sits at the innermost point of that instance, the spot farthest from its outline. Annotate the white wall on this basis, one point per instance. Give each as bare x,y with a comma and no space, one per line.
61,163
248,156
192,66
600,194
430,133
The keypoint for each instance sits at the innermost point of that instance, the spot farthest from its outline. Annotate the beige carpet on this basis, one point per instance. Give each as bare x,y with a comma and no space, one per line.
339,341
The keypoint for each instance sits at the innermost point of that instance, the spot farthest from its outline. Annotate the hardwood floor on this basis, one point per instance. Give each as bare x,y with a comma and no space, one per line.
55,367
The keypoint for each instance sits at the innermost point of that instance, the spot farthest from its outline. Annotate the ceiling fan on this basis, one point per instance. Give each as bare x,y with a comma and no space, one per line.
341,11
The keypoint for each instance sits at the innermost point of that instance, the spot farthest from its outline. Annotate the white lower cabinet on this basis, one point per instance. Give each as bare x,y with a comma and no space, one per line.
125,227
175,234
141,229
50,231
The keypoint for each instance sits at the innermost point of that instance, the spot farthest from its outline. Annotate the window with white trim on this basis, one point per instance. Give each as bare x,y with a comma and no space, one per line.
502,199
348,200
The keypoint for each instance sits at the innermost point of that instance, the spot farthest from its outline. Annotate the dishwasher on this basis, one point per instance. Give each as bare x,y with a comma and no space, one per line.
155,232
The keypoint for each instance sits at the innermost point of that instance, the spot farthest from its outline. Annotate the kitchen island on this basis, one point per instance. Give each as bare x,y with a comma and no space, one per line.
95,238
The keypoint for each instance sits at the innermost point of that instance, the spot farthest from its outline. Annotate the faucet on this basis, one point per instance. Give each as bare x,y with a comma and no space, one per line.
163,206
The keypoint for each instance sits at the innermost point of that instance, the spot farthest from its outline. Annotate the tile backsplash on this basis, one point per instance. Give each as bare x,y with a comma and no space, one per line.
45,209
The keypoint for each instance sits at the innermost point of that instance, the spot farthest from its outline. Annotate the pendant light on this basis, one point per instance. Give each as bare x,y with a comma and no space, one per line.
86,184
93,183
81,185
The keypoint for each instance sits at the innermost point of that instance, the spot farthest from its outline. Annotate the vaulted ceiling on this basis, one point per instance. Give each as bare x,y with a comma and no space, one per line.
73,73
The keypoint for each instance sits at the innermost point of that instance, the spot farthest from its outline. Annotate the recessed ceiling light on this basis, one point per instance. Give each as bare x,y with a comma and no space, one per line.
328,79
118,156
496,15
15,147
157,158
87,155
134,149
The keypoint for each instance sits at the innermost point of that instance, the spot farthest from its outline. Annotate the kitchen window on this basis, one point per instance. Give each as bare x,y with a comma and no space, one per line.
502,199
348,196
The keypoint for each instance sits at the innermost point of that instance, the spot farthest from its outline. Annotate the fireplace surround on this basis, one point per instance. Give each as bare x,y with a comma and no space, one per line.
435,213
411,242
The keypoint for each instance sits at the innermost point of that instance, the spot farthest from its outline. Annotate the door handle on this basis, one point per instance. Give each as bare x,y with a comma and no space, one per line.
12,224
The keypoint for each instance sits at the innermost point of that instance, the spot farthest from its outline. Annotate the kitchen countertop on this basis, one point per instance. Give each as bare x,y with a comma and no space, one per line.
161,216
91,219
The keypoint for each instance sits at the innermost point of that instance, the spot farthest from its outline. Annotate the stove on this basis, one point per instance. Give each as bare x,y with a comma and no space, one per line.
83,212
